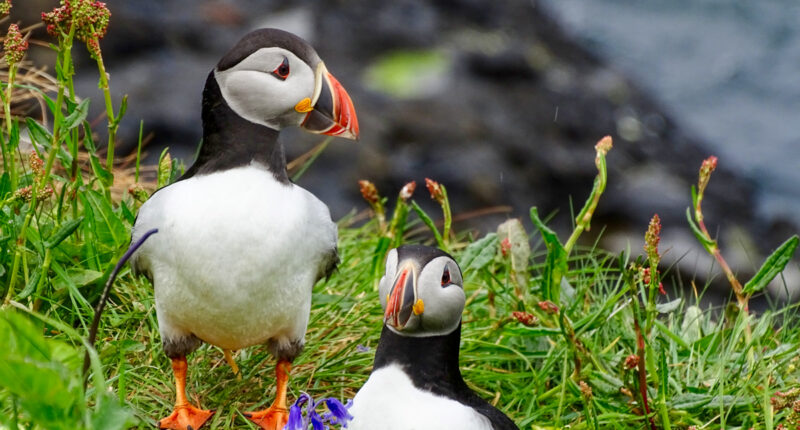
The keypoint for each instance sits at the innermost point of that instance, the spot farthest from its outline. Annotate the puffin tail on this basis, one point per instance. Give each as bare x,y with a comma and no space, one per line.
104,297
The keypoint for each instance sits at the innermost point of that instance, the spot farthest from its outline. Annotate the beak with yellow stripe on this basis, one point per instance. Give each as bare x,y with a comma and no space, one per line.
422,292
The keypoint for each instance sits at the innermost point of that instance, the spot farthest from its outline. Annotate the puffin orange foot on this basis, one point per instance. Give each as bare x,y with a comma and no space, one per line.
272,418
185,417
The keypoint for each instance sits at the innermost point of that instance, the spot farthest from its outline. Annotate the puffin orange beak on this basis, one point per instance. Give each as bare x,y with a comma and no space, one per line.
332,111
400,303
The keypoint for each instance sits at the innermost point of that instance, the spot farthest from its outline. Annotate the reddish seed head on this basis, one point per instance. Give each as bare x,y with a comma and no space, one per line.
14,45
408,190
631,361
505,247
435,189
548,306
368,191
525,318
586,390
604,145
653,237
5,8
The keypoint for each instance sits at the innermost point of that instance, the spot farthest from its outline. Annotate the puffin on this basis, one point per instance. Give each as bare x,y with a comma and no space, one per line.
239,246
415,382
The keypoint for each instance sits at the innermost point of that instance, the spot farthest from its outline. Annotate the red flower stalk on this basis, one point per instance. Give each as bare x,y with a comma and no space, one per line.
14,45
652,238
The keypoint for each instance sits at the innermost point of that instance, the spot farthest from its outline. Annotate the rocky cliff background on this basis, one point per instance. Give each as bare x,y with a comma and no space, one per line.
490,98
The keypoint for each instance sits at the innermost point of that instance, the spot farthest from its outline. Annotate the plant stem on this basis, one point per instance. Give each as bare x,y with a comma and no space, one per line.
584,218
65,50
10,157
113,124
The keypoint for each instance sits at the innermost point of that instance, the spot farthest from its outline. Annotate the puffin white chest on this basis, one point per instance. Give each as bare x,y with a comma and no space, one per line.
236,256
390,401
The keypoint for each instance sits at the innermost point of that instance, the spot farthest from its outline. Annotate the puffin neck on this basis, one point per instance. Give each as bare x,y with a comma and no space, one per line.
230,141
430,362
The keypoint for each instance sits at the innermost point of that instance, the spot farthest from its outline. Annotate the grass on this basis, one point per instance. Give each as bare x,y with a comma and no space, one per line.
555,334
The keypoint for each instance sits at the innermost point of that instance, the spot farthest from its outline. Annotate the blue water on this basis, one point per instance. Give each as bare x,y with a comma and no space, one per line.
727,70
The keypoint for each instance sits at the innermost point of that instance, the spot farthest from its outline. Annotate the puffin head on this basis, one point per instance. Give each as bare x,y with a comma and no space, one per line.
276,79
422,292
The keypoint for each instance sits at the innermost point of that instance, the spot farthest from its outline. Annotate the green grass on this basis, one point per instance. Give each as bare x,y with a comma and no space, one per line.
710,368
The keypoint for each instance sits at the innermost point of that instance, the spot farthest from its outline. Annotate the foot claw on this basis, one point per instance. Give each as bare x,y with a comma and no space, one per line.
185,418
269,419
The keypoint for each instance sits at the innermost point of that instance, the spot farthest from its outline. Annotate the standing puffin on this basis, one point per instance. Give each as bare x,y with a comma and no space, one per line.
239,246
415,382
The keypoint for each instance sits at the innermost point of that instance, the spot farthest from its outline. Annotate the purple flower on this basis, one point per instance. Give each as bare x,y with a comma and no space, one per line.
362,348
337,414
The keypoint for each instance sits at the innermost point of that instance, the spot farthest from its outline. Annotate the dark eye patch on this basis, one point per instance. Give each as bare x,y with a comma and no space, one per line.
446,276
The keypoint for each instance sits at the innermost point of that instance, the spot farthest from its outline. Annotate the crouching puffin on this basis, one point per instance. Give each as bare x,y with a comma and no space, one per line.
415,382
239,246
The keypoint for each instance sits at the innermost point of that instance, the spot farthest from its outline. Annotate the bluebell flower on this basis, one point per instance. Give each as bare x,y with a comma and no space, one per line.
337,414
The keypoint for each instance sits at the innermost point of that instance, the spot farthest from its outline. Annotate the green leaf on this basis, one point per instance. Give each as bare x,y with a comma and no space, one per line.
480,253
99,171
64,232
707,243
75,277
38,133
378,258
773,265
77,116
108,226
556,261
164,168
665,308
690,400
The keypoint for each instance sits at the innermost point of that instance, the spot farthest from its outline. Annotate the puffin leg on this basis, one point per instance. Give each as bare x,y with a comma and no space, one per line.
185,416
276,416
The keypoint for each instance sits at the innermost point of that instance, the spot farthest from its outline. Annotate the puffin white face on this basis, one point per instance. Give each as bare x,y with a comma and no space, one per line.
271,87
421,296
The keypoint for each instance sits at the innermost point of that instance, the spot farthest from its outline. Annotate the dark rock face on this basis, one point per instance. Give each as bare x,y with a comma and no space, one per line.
511,121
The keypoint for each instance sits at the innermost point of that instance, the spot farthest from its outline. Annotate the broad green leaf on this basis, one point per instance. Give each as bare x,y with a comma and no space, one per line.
480,253
77,116
38,133
520,248
690,401
773,265
556,261
77,277
691,327
164,168
108,225
668,307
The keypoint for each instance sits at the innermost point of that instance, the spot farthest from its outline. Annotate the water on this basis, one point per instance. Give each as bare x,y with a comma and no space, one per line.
727,70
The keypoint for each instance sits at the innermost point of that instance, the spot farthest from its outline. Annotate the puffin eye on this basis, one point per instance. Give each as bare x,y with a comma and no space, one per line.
446,277
282,71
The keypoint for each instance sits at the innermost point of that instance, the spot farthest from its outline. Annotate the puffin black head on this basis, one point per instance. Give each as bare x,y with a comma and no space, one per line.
422,292
276,79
